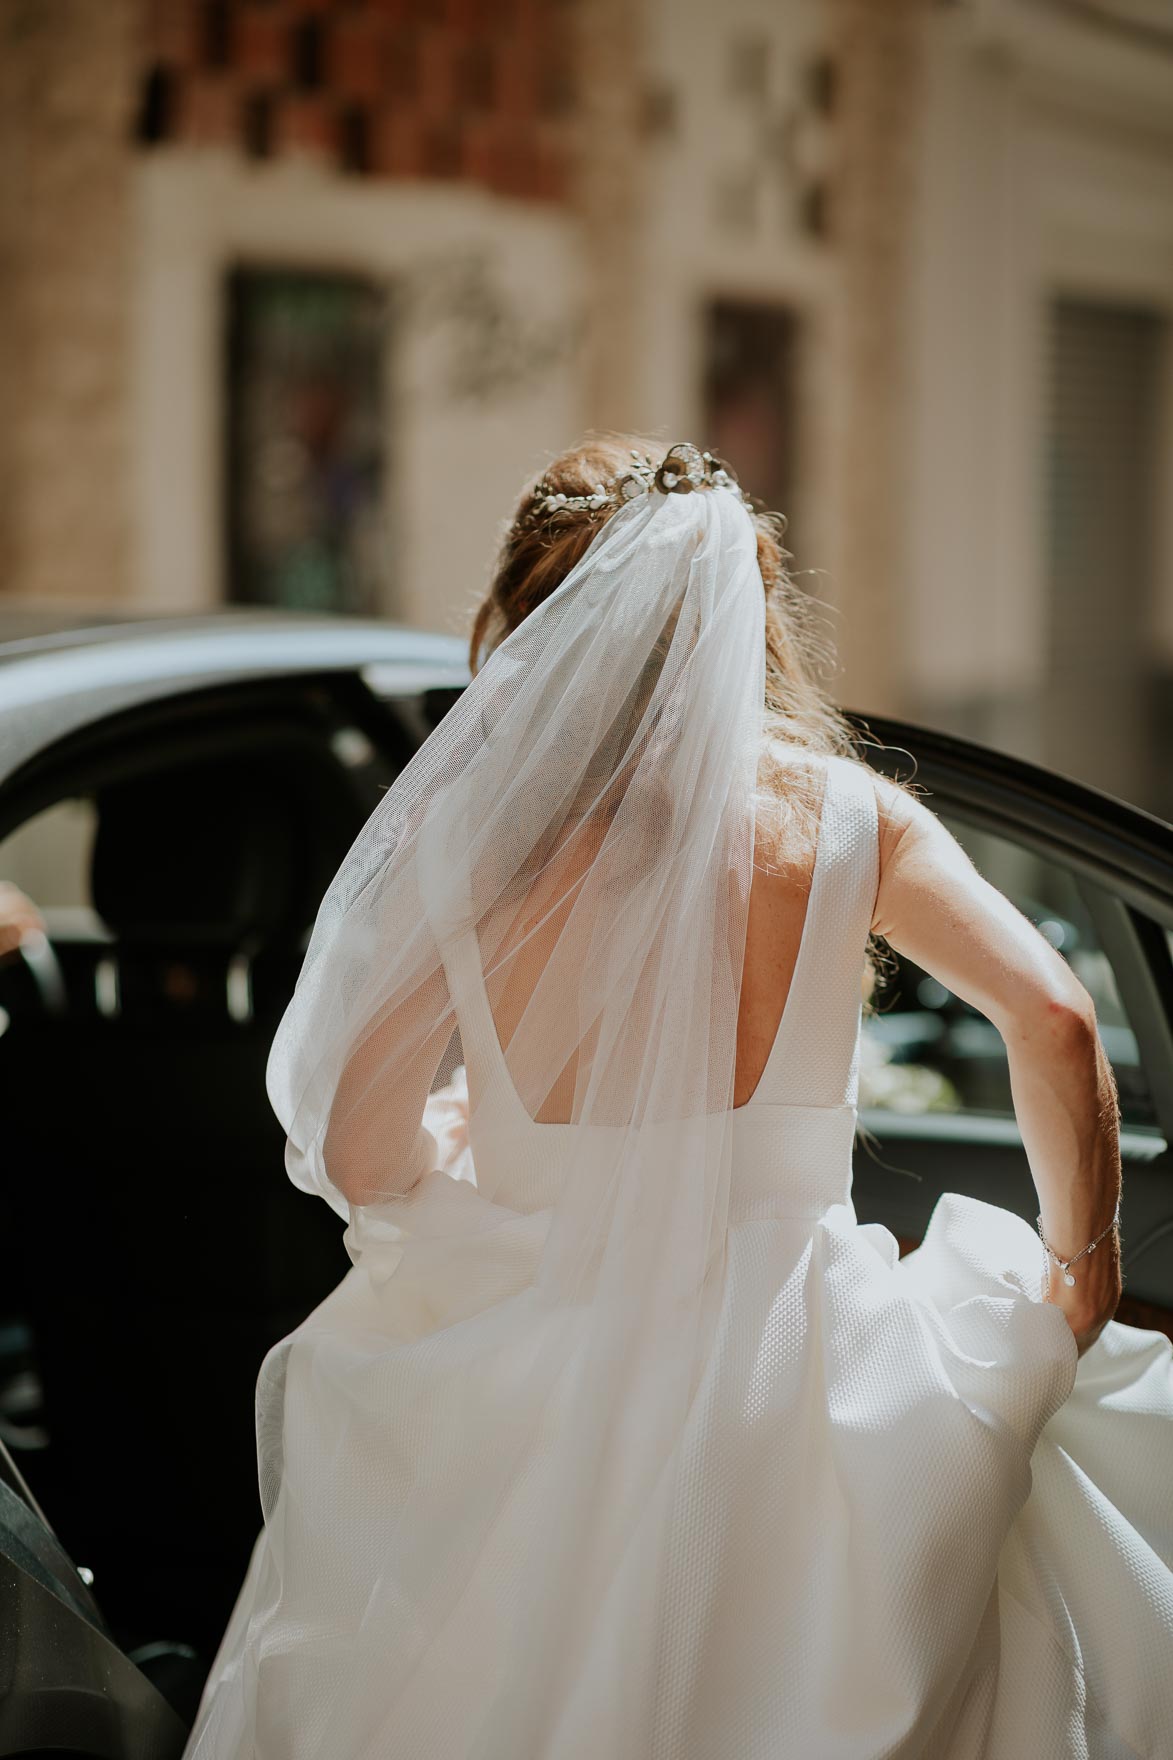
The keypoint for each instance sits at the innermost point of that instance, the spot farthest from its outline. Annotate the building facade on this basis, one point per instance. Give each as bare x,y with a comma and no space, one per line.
299,293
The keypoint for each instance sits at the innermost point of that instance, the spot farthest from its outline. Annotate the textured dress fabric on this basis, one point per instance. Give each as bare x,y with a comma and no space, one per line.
910,1520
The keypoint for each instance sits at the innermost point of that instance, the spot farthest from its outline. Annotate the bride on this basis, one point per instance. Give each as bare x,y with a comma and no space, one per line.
622,1437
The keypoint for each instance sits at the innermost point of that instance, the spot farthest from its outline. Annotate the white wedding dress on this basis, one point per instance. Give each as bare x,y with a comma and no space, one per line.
911,1521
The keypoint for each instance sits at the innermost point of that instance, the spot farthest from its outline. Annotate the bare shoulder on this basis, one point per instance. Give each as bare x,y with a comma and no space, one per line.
891,797
934,906
913,845
898,812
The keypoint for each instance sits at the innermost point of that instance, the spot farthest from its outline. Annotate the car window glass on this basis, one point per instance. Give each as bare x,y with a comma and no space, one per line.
48,857
927,1051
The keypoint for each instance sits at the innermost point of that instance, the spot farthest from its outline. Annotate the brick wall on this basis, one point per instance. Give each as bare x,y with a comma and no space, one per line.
474,90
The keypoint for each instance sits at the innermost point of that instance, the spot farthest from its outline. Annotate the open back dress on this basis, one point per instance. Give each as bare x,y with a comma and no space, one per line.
911,1521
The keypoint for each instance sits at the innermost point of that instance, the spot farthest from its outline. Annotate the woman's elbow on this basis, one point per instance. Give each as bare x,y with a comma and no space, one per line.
366,1175
347,1165
1059,1019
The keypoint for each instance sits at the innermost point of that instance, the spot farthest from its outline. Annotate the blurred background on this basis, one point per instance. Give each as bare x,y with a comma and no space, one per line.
296,293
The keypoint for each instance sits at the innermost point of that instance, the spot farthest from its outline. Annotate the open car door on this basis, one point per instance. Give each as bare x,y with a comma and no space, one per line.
65,1685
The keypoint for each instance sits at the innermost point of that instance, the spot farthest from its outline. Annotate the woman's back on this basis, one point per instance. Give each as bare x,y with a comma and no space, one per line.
780,892
792,1136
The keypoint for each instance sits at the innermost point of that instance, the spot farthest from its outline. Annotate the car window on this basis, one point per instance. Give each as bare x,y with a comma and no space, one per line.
48,857
925,1050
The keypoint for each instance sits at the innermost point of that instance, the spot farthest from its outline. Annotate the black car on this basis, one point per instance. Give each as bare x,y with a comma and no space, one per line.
189,786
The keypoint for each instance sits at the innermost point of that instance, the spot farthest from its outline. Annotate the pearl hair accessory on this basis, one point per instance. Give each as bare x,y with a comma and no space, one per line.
684,468
1066,1264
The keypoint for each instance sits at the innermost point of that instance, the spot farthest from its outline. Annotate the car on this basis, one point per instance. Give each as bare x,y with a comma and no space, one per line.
188,786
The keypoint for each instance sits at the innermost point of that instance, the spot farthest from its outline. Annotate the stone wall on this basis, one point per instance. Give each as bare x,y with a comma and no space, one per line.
67,95
877,53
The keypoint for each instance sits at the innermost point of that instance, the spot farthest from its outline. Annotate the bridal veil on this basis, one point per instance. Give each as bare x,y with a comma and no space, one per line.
580,827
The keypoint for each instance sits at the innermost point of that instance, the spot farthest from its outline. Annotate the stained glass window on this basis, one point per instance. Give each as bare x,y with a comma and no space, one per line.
306,446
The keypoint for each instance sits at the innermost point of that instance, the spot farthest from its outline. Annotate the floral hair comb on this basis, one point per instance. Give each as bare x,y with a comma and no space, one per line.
684,468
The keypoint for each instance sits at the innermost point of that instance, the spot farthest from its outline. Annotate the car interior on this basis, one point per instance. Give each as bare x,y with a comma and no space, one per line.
152,1248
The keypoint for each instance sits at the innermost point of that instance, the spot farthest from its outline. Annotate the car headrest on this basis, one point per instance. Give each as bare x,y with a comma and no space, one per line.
205,854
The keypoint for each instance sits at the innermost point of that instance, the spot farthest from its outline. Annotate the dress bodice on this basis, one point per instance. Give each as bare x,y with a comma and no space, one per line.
793,1138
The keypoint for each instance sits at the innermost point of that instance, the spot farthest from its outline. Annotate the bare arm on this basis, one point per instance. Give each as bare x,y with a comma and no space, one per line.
376,1144
935,907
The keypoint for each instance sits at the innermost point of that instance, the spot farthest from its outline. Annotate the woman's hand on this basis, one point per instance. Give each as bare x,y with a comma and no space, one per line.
19,917
1091,1301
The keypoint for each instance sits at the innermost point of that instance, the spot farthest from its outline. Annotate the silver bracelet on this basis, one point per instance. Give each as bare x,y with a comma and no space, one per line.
1066,1264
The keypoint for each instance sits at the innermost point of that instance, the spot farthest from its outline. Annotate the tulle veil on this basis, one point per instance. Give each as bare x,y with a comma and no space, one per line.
574,843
